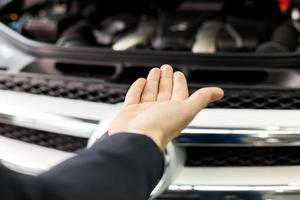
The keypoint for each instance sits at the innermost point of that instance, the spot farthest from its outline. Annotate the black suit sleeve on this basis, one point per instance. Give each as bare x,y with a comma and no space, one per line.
123,166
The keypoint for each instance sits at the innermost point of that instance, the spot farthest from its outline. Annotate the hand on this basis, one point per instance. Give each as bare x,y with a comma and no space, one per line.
160,107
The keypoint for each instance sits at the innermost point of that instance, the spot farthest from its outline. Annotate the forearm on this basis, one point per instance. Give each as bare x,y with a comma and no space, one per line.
123,166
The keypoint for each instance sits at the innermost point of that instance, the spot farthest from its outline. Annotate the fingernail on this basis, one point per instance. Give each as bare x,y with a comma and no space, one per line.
165,66
218,94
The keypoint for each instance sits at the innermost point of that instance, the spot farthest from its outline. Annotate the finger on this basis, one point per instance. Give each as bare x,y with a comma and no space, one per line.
165,83
202,97
180,88
134,93
151,88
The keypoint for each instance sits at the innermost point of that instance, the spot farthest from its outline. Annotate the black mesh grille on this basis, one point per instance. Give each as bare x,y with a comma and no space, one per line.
99,91
183,195
42,138
242,156
259,99
220,195
62,87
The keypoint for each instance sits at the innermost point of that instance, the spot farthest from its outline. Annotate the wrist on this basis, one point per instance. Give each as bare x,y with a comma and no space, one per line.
156,136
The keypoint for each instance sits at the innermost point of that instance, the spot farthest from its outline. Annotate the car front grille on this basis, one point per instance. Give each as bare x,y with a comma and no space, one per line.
42,138
242,156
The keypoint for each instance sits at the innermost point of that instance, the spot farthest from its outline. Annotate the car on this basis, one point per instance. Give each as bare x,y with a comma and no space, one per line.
66,66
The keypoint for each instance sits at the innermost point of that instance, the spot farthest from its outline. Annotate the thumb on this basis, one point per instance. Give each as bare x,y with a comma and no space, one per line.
202,97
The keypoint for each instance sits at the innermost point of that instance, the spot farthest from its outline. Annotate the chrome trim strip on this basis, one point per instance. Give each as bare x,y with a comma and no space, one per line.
59,115
271,136
224,131
60,106
29,158
238,179
235,188
43,121
246,118
239,176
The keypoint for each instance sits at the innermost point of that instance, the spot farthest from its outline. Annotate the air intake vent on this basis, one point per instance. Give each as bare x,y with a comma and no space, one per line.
63,87
259,99
242,156
41,138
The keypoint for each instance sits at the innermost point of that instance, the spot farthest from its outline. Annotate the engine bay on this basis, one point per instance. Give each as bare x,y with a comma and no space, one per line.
218,26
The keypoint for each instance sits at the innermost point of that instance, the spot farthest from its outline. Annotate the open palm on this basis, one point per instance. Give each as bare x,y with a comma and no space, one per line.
160,106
